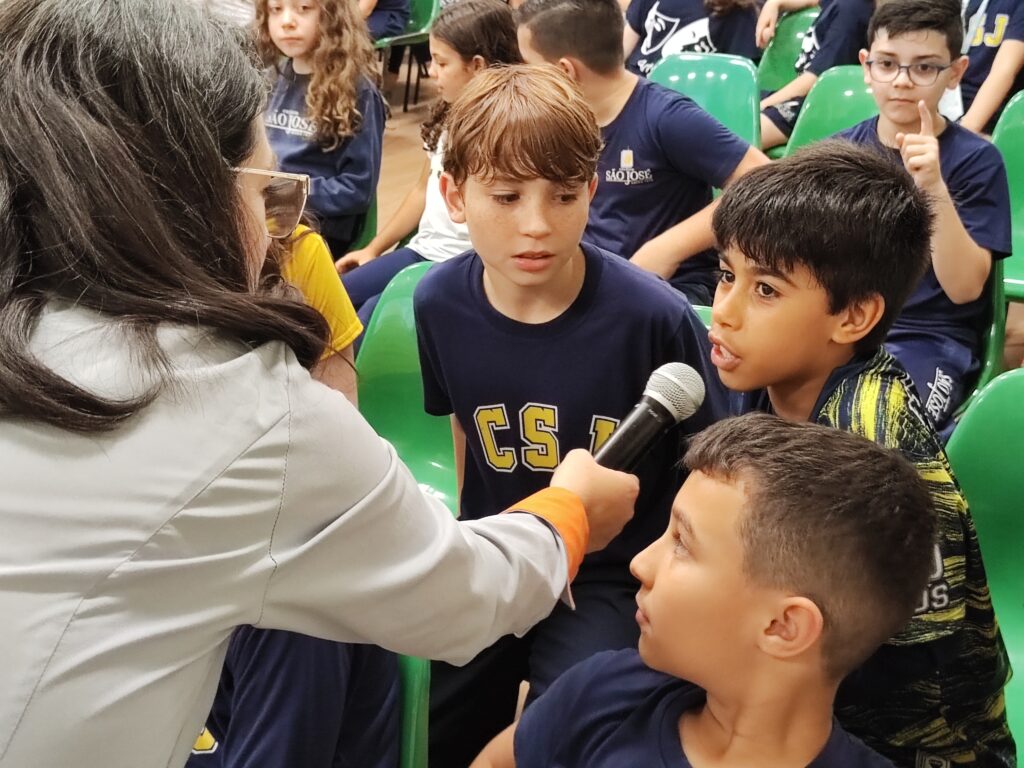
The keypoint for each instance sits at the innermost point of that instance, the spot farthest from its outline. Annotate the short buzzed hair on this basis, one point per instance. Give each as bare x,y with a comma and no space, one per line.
522,122
831,516
587,30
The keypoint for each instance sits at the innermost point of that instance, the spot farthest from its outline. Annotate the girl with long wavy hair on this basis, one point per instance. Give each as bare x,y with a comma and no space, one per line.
468,36
325,117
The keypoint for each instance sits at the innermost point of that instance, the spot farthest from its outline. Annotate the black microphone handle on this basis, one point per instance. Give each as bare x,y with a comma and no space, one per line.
635,435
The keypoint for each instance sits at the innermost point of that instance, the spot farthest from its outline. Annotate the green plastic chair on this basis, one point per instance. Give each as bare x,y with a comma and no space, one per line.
391,399
724,86
838,100
704,313
422,14
985,452
777,67
1009,137
368,231
995,338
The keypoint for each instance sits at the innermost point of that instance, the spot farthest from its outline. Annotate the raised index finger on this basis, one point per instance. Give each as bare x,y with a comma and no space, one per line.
927,126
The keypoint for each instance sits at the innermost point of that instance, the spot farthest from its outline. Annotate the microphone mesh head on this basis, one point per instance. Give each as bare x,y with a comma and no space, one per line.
678,387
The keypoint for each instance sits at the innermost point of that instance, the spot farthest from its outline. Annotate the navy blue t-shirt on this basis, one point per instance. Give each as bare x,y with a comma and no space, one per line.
343,180
668,27
976,178
1004,20
527,394
661,157
612,710
836,36
291,701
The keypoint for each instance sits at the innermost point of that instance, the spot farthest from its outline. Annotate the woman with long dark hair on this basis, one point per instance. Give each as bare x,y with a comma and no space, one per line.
170,470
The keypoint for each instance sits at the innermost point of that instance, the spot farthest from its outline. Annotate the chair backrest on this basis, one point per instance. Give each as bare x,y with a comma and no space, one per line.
985,452
1009,137
415,681
391,390
367,232
777,67
724,86
838,100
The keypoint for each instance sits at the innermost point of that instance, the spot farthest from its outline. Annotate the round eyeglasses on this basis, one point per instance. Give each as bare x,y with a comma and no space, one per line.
887,70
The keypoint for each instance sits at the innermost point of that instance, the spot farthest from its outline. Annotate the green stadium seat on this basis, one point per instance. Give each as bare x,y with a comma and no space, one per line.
724,86
704,313
391,400
995,337
421,17
1009,137
985,452
367,232
838,100
777,66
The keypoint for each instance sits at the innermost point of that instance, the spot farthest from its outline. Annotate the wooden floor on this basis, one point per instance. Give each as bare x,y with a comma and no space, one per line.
403,148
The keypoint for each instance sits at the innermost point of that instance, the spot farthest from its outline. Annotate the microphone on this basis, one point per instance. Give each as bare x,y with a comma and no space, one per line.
674,392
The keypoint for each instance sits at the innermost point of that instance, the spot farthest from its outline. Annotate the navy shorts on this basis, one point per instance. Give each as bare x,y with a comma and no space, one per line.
783,115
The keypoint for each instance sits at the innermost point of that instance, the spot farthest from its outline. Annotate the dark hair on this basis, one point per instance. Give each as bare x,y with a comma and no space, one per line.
725,7
901,17
484,28
522,122
122,122
587,30
849,214
831,516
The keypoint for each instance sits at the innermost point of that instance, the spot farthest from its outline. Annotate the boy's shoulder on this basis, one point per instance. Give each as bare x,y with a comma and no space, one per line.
874,396
445,277
961,147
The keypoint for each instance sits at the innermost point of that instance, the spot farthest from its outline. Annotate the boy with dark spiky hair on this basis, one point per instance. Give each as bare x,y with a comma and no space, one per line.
799,318
793,552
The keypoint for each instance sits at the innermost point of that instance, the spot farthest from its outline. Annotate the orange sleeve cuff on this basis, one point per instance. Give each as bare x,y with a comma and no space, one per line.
564,511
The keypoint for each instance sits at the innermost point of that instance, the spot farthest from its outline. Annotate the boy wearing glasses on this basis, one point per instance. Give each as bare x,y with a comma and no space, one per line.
914,58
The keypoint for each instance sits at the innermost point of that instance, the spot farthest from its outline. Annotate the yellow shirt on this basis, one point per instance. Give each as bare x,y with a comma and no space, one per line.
310,268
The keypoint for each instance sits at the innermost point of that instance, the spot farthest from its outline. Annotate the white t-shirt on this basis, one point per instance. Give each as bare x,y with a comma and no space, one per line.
246,493
438,238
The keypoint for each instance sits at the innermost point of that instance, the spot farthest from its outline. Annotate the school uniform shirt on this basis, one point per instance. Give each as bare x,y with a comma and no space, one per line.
438,237
245,493
343,180
836,36
662,155
527,394
934,690
292,701
1003,20
612,710
668,27
975,176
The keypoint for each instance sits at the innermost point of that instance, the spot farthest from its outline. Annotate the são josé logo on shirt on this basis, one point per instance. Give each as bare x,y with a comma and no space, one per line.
626,173
291,122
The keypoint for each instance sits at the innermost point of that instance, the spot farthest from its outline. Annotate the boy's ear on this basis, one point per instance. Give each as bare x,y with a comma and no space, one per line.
858,319
796,626
592,188
570,67
956,70
453,198
862,56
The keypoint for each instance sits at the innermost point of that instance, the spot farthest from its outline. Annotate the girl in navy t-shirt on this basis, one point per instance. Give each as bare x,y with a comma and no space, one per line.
325,117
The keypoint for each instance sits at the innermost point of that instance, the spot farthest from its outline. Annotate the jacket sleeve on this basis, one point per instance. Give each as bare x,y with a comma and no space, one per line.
351,189
360,554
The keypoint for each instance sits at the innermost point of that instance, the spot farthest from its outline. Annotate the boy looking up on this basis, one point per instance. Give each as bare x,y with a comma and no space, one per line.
797,327
537,345
914,58
793,552
662,153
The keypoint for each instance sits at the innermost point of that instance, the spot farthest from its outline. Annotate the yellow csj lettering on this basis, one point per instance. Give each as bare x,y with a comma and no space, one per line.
979,33
601,428
489,419
995,38
538,424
